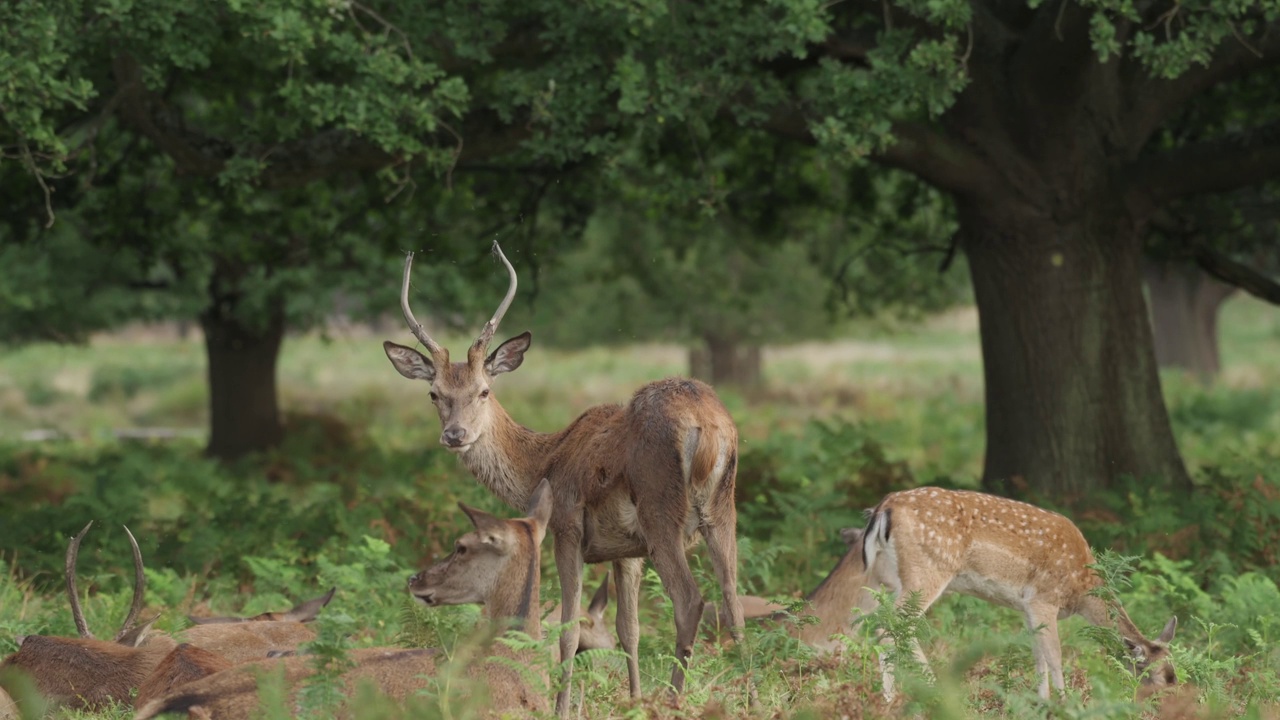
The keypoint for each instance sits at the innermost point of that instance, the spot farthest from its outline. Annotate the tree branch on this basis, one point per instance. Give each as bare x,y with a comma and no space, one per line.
940,160
295,162
1225,163
1153,100
1237,274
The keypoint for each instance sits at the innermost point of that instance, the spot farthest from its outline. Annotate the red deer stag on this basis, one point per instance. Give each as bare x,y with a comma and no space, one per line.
629,482
88,673
496,565
934,541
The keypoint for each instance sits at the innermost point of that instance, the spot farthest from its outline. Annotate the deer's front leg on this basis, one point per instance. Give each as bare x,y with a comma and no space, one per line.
568,548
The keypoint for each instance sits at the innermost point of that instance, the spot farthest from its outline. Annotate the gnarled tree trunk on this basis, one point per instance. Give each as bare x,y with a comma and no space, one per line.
244,414
1184,316
1072,394
725,360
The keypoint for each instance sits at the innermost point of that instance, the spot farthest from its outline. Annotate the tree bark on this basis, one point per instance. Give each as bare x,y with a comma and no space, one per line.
1072,394
244,413
1184,316
723,360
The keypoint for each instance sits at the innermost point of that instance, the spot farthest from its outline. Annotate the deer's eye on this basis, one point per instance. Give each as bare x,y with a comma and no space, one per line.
434,397
484,393
460,550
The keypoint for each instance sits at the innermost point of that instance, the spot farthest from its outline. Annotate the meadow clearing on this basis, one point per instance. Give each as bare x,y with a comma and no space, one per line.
361,496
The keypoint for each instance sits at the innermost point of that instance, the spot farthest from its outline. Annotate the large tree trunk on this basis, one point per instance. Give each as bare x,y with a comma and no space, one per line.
1072,394
244,415
1184,316
725,360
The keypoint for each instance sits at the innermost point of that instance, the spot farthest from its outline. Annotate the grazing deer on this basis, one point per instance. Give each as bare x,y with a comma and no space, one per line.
830,604
629,482
933,541
88,673
496,565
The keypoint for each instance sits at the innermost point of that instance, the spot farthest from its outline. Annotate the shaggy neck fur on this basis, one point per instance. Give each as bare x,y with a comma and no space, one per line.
508,458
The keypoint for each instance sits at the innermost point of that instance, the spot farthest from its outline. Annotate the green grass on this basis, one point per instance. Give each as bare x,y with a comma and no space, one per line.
361,496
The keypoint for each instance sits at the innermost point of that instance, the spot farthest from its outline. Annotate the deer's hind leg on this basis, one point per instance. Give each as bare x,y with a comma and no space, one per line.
628,572
663,528
719,527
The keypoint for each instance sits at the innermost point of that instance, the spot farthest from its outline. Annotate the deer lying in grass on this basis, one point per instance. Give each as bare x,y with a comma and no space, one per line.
497,565
593,634
87,673
934,541
629,482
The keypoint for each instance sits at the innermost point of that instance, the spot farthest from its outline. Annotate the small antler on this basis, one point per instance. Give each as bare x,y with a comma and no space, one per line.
415,327
73,552
139,588
486,333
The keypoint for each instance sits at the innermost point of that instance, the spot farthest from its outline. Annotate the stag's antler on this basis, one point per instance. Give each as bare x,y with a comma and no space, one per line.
415,327
73,552
486,333
139,586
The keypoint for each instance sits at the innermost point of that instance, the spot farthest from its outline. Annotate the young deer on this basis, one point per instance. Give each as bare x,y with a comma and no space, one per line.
593,634
496,565
933,541
87,673
629,482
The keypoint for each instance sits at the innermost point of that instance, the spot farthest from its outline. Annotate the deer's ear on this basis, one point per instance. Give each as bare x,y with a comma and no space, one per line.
600,600
850,536
409,362
540,508
1136,650
509,355
1166,636
483,521
307,611
138,635
19,639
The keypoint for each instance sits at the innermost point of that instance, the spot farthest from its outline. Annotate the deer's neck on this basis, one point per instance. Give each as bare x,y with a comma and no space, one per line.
1109,614
833,600
509,458
516,595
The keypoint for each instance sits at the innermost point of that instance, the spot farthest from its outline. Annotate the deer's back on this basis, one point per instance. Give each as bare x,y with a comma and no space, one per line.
1001,550
396,672
83,673
248,641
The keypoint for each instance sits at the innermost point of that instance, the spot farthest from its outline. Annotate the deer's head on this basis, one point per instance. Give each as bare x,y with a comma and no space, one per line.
1150,658
460,391
485,558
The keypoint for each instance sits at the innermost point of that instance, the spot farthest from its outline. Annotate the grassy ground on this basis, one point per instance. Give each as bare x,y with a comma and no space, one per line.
361,496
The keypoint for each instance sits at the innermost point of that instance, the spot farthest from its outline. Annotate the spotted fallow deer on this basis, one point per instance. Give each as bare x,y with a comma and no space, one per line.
496,565
88,673
933,541
629,481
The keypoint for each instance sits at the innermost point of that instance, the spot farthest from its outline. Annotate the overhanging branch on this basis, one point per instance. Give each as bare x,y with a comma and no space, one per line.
291,163
1226,163
1237,274
1153,100
940,160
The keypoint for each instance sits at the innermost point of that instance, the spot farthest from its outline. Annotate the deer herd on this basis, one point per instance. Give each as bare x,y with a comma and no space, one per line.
619,484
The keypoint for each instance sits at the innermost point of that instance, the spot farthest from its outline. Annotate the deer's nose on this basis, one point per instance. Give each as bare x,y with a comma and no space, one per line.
413,579
453,436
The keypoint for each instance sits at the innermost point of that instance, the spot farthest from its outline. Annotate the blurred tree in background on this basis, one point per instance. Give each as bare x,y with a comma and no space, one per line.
242,152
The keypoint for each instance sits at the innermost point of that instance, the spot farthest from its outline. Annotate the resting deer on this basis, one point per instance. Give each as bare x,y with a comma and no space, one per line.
87,673
933,541
629,482
496,564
